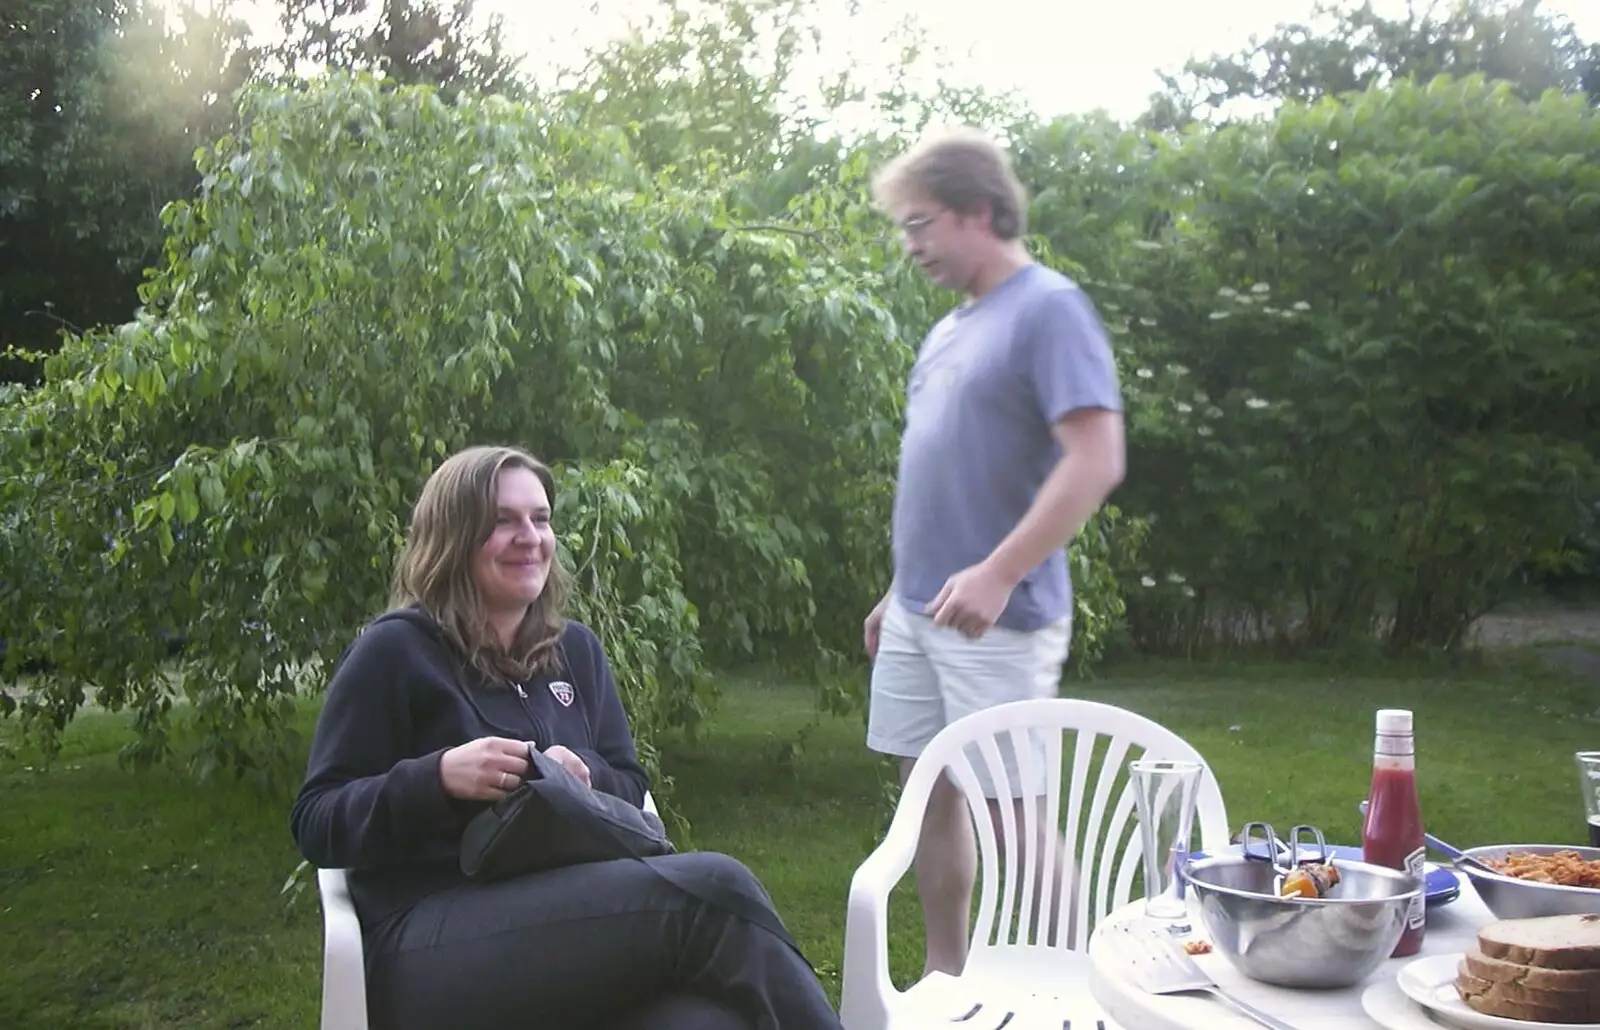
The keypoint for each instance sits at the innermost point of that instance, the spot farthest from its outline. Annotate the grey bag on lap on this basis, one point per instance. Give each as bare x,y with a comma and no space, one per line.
553,820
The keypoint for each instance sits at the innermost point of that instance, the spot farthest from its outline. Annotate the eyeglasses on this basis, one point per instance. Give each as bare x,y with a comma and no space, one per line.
914,227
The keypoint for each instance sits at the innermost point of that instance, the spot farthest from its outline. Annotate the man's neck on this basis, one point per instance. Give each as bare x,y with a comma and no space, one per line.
1007,259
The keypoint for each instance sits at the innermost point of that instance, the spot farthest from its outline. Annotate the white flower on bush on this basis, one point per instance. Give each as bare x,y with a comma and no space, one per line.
1204,430
1301,305
1144,373
1257,403
1147,581
1182,407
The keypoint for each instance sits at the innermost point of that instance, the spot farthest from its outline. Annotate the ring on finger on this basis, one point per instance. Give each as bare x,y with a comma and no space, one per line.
504,779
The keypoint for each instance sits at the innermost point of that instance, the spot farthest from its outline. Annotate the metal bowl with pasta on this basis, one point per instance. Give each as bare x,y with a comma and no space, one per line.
1535,879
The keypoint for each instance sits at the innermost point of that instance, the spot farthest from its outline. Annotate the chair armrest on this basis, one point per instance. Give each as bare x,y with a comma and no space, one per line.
866,986
344,973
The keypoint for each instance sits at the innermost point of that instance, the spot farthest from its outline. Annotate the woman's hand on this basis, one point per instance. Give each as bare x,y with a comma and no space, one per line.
486,769
570,762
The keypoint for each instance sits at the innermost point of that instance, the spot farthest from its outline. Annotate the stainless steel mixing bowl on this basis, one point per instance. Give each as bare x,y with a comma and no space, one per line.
1334,941
1511,898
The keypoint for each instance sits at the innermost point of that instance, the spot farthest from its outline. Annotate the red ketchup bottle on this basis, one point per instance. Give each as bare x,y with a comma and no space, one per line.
1392,832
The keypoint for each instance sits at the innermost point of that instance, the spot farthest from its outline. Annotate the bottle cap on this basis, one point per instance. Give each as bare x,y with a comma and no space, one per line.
1394,721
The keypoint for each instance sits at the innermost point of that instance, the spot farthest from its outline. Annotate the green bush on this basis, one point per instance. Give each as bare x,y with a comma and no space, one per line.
1366,336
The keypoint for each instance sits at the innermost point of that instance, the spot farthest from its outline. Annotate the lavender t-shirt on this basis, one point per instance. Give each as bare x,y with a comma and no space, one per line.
989,383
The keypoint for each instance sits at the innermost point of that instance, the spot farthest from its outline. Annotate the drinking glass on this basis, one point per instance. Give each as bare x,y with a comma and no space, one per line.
1165,793
1589,782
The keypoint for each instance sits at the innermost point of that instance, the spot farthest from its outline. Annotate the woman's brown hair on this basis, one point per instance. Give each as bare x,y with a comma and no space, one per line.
453,516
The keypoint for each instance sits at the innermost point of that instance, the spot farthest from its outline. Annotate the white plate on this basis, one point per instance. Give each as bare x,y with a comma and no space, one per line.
1430,982
1388,1006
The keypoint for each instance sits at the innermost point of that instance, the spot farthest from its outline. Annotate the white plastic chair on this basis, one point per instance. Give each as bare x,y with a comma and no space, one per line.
1015,976
344,971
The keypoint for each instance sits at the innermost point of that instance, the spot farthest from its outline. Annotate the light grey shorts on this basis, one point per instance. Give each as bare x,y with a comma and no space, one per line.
926,677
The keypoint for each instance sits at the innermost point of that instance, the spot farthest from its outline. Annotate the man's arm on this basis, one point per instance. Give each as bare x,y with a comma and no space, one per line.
1093,459
1090,467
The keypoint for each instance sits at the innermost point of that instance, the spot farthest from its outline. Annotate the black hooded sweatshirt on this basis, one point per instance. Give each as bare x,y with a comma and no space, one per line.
372,801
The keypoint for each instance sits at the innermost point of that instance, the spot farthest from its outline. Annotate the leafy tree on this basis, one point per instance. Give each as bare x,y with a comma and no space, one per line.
708,88
407,42
1347,48
714,86
1370,325
101,108
372,278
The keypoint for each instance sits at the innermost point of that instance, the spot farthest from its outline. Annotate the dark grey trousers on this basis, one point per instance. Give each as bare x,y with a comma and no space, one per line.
605,946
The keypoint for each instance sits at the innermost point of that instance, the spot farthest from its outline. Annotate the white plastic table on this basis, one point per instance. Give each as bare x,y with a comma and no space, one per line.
1451,928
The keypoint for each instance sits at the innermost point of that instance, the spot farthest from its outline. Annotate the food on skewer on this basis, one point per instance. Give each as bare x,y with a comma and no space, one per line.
1310,880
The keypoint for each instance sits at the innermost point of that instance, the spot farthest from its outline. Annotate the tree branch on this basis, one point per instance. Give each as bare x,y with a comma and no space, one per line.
810,234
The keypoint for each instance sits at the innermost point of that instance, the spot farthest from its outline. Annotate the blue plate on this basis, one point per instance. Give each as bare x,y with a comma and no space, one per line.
1440,885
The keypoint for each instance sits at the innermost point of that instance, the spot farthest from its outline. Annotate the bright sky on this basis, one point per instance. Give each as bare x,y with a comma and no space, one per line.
1061,55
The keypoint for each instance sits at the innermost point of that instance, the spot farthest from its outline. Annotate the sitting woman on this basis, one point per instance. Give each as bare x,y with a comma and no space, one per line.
428,720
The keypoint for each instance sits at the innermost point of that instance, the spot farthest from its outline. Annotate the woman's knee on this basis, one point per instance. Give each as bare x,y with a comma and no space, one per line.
726,870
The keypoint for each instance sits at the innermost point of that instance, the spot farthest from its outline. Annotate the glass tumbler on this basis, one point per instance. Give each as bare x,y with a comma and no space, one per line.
1165,793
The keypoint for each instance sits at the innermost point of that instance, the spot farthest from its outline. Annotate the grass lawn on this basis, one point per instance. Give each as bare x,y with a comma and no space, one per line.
142,901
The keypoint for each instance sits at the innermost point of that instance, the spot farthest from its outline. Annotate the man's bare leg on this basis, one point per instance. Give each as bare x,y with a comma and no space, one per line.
1060,870
946,864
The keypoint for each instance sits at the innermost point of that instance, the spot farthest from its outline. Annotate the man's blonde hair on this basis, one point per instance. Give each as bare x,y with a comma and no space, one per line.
963,170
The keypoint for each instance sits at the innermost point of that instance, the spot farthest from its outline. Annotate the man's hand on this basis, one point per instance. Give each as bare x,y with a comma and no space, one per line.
971,600
570,762
872,628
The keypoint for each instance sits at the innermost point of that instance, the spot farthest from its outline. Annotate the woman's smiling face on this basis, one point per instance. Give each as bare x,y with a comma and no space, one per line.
512,565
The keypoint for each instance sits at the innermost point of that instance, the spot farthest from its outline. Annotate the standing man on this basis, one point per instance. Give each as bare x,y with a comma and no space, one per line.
1013,439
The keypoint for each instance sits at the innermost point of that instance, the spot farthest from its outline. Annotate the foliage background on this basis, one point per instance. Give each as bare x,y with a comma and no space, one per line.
1357,334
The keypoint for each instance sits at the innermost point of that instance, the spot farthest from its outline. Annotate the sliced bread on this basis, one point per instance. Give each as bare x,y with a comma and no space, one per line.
1498,970
1543,997
1547,942
1491,1005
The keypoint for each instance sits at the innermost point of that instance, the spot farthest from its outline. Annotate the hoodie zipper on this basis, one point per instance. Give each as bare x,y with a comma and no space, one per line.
539,732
